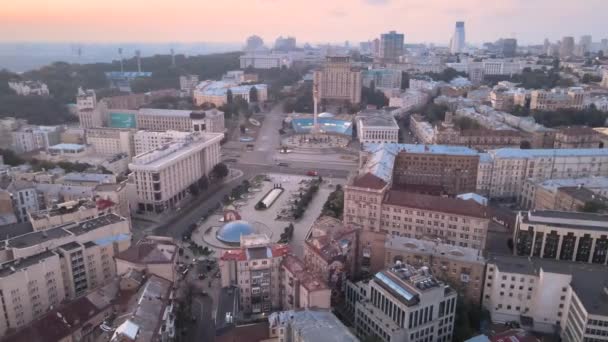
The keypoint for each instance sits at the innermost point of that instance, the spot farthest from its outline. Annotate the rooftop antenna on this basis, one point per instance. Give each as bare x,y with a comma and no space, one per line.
120,54
138,55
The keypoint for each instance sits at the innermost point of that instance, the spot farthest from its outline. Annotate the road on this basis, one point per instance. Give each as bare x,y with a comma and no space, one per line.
203,329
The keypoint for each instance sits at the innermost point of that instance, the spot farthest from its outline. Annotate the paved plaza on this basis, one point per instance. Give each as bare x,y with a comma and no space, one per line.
266,220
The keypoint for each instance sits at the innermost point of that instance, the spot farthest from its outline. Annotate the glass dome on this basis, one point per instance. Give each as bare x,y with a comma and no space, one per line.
231,232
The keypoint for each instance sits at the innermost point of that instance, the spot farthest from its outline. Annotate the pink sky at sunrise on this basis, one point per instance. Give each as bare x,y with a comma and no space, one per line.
309,20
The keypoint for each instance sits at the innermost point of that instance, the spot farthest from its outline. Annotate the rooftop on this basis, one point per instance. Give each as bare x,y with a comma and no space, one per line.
564,152
406,282
588,182
149,252
309,280
165,112
589,281
146,311
313,325
89,177
369,181
434,248
454,206
573,220
12,266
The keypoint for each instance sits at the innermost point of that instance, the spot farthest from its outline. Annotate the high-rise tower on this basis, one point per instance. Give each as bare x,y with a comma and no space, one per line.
458,40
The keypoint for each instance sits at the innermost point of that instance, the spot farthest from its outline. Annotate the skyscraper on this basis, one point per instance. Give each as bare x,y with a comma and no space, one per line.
567,47
509,47
458,40
391,46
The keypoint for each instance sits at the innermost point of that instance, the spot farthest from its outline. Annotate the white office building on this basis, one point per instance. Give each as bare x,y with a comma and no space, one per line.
145,141
403,303
377,126
162,176
549,296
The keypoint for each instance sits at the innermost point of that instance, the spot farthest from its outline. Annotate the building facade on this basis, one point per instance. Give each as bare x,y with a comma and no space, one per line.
110,141
162,176
542,195
391,46
403,303
568,236
548,296
377,127
338,80
571,98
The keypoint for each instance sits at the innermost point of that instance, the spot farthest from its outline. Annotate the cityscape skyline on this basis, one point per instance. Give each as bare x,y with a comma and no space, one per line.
70,20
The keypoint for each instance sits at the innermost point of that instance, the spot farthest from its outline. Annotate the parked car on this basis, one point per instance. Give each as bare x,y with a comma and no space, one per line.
312,173
282,164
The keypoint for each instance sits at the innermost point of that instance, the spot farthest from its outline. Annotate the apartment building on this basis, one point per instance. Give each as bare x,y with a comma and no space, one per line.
461,267
187,83
89,117
404,303
542,195
409,100
63,213
422,129
110,141
86,99
548,296
338,80
28,139
391,46
502,172
576,198
330,251
577,137
381,78
40,270
571,98
560,235
452,167
162,176
300,288
255,270
370,205
605,78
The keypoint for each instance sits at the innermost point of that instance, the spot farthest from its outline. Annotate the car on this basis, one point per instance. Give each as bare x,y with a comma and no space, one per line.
282,164
312,173
201,276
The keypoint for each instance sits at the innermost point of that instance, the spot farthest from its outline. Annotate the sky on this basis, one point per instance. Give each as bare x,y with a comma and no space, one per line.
314,21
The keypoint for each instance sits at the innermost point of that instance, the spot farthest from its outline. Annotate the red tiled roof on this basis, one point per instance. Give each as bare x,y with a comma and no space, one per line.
234,254
369,181
454,206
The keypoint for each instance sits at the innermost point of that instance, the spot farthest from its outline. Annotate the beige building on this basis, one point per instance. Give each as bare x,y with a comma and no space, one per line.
40,270
162,176
503,172
256,270
330,251
605,78
151,255
422,129
93,117
110,141
482,139
369,204
548,296
338,80
560,235
577,137
302,289
545,100
542,195
64,213
463,268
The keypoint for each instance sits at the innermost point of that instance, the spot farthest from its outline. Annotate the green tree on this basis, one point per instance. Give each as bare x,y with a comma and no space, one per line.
11,158
220,171
525,145
594,206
